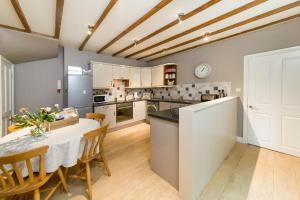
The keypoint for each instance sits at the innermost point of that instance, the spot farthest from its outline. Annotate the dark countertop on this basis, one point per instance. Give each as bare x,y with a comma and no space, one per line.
169,115
117,102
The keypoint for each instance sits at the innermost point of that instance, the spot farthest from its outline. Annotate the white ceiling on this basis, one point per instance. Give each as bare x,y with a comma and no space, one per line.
78,14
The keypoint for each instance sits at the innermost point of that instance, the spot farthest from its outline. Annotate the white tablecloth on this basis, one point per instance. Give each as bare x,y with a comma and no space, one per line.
65,144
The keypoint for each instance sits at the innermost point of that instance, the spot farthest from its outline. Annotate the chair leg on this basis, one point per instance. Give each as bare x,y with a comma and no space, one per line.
36,194
89,180
105,163
62,179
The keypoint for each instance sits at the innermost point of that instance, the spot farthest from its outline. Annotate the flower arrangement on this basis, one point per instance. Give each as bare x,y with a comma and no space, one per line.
37,119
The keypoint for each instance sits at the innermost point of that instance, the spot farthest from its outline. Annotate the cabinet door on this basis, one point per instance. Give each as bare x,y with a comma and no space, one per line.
135,77
146,76
139,110
102,75
121,72
110,114
157,75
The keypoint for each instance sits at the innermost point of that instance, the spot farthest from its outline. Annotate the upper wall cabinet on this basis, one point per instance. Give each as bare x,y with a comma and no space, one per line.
135,76
102,75
157,75
121,72
146,76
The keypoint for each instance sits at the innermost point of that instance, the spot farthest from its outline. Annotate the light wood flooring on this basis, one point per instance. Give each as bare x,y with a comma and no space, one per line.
248,172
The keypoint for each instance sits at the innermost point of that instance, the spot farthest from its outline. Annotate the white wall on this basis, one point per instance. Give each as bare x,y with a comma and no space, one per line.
207,132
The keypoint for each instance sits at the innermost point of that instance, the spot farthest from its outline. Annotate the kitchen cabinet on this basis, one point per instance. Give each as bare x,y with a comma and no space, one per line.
146,76
110,114
139,110
102,75
135,77
121,72
157,76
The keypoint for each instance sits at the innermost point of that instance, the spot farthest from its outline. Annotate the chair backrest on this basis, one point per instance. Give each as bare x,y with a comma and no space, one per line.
96,116
6,178
93,143
12,128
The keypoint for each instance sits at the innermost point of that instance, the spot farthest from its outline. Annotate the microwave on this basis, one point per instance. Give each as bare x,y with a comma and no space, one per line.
100,98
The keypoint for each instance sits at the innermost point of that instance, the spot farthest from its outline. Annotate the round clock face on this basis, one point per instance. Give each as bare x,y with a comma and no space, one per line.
203,70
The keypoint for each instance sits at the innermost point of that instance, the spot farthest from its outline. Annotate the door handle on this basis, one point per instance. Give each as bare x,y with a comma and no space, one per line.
253,107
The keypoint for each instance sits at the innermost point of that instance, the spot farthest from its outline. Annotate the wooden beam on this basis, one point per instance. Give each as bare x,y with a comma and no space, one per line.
24,31
151,12
239,24
171,24
230,36
99,21
21,15
59,14
200,26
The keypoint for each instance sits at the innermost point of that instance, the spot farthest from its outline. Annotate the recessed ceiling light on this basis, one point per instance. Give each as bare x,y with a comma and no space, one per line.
206,36
90,29
180,18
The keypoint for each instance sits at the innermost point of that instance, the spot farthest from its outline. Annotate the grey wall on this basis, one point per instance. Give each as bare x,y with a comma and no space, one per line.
226,57
36,82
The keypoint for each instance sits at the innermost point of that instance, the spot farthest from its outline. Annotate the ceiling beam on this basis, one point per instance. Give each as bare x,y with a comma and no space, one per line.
59,14
21,15
171,24
151,12
239,24
99,21
24,31
230,36
203,25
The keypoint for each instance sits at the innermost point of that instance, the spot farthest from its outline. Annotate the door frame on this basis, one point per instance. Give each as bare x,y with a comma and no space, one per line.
246,83
12,88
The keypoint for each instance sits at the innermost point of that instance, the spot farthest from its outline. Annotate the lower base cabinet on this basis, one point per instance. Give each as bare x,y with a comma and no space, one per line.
110,114
139,110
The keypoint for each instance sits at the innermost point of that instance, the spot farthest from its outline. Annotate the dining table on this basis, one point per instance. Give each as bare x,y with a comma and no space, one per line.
65,145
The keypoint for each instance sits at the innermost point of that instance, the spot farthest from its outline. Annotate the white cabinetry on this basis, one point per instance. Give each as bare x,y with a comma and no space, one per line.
110,114
135,76
102,75
139,110
121,72
157,75
146,76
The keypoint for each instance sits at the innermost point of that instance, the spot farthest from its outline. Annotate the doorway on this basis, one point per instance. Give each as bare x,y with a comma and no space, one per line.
7,94
272,100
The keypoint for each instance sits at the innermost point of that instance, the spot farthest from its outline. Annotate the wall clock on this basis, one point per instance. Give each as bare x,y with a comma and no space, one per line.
203,70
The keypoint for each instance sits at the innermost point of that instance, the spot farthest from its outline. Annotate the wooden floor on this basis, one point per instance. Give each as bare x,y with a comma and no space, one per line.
247,173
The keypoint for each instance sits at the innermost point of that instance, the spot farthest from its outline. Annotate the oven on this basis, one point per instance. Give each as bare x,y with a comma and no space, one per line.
124,112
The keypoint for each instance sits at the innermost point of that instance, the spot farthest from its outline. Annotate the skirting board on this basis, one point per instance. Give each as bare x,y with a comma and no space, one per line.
240,139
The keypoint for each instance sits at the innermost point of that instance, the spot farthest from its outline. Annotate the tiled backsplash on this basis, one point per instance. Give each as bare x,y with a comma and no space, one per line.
185,91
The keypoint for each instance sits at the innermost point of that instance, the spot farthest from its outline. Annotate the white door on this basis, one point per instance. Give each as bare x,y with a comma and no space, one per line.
139,110
102,75
135,76
146,76
274,101
7,94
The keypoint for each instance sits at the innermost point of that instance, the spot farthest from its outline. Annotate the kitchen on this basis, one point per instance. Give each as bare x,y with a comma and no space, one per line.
161,99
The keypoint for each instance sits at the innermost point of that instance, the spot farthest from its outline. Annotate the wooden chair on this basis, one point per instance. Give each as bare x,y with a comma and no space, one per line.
96,116
12,182
93,150
12,128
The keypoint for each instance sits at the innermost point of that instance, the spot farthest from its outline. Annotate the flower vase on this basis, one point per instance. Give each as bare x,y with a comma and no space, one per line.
37,131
